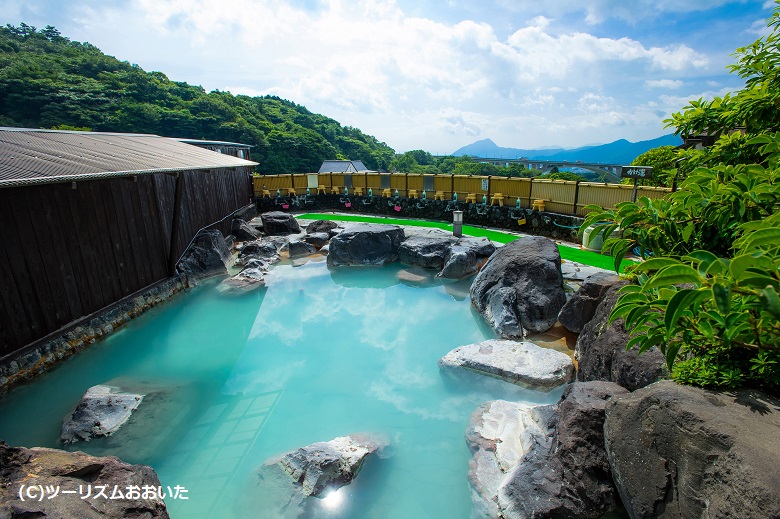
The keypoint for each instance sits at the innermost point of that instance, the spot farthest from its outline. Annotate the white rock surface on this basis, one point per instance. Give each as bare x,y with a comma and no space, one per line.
245,281
522,363
499,434
323,466
101,411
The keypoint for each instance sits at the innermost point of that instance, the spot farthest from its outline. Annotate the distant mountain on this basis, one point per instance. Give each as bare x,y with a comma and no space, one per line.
618,152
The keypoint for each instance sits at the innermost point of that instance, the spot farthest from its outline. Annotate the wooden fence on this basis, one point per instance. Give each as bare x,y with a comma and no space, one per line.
66,253
560,196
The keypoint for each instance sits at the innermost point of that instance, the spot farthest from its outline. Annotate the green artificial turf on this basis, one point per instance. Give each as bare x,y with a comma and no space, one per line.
568,253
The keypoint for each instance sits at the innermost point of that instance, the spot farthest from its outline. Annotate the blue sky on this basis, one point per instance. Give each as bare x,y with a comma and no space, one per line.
436,75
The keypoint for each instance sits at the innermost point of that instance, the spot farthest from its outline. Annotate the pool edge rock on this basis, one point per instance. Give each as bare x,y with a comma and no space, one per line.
571,476
53,468
365,245
682,451
520,288
522,363
499,434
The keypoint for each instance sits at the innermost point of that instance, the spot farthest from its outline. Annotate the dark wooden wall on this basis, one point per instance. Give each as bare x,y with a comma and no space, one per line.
66,253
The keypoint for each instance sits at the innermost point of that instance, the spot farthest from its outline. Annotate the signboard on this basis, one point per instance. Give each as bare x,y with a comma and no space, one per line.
636,172
484,184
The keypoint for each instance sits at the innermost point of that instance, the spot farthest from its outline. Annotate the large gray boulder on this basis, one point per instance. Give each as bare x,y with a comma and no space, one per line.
318,239
250,278
499,434
520,288
265,250
299,249
365,244
570,476
426,251
465,257
243,231
521,363
277,223
581,308
323,466
678,451
207,256
459,263
325,226
100,412
256,223
481,246
601,350
67,471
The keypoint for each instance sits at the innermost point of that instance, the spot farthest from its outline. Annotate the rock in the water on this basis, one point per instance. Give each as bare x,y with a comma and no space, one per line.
101,411
465,257
323,466
277,223
499,434
317,226
66,471
208,256
601,351
460,262
243,231
256,263
581,308
413,276
251,278
264,250
426,251
569,477
365,244
299,249
678,451
481,246
522,363
520,288
318,239
256,223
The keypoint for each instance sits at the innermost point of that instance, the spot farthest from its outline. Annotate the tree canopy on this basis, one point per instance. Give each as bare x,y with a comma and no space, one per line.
49,81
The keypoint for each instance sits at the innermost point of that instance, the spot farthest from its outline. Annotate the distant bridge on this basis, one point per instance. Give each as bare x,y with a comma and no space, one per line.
607,172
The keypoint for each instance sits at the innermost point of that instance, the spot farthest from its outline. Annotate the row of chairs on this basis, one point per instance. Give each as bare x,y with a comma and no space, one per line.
495,198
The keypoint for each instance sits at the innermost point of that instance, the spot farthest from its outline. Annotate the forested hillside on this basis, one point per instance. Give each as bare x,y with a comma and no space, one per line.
48,81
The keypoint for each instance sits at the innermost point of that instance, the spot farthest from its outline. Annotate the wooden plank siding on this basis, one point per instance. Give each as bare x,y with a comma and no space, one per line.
66,253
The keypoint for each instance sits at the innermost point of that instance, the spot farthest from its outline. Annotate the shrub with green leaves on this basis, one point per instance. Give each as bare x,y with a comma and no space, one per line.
720,316
708,292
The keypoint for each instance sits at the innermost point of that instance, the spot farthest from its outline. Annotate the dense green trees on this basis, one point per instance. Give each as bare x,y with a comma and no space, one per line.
709,297
48,81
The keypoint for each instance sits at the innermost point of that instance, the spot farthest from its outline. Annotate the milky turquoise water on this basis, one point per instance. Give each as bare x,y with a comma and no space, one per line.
231,381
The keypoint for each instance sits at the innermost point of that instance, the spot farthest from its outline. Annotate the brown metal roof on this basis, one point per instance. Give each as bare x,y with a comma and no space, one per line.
46,157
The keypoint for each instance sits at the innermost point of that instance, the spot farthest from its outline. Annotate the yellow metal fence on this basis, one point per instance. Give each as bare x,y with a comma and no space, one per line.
559,196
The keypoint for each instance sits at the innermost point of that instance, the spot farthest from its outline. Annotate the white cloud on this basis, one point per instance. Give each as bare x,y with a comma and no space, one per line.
671,104
591,102
663,83
421,81
457,123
